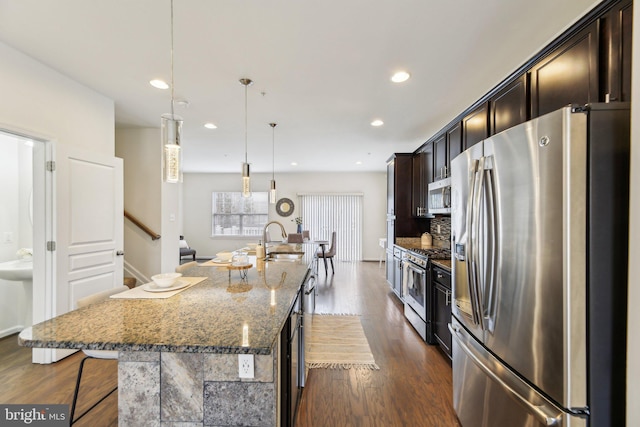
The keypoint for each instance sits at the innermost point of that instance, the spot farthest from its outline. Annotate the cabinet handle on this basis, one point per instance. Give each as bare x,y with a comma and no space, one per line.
447,300
439,275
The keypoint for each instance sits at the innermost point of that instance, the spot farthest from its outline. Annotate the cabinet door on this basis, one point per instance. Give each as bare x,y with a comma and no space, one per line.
454,143
427,169
416,185
440,157
421,169
568,75
442,317
509,106
475,126
615,53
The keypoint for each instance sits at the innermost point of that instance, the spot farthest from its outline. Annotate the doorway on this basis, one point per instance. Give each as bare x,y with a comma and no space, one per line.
26,227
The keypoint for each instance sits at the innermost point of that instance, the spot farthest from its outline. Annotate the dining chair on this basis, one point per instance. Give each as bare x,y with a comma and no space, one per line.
94,354
295,238
330,253
187,265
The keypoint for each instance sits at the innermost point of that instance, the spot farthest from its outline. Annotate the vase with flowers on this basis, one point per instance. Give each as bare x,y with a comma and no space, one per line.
298,221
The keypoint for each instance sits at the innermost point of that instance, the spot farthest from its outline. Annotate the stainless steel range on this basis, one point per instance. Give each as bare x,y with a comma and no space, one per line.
416,295
416,289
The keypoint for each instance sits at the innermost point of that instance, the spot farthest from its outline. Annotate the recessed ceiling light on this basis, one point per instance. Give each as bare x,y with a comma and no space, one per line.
358,162
400,76
160,84
377,122
294,164
210,126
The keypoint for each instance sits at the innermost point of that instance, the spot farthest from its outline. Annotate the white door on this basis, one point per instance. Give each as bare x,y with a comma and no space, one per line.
88,221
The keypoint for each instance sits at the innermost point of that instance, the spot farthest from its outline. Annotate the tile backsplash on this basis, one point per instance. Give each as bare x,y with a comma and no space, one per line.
442,238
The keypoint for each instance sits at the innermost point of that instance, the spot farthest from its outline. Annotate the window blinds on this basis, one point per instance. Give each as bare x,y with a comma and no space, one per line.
324,213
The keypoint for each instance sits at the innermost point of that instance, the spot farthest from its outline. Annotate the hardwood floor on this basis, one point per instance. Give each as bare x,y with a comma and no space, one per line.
412,388
23,382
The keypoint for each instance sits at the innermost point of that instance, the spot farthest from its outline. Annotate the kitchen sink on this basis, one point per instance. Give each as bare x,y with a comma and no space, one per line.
284,256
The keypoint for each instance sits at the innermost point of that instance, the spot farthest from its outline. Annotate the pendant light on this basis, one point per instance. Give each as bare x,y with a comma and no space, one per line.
246,178
171,133
272,193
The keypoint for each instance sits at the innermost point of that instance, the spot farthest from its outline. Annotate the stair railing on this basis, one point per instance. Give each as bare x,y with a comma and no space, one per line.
137,222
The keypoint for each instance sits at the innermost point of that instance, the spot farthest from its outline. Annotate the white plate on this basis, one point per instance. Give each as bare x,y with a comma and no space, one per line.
179,284
221,261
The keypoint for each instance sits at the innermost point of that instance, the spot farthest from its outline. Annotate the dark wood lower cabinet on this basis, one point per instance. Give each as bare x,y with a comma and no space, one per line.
290,388
441,285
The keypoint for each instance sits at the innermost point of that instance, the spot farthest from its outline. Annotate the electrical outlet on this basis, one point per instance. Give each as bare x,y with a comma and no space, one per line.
438,228
245,365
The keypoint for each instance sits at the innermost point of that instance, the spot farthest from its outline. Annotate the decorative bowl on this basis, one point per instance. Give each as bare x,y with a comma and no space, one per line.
252,246
165,280
224,256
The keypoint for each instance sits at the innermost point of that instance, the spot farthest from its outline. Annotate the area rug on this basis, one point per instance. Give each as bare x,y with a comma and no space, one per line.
337,342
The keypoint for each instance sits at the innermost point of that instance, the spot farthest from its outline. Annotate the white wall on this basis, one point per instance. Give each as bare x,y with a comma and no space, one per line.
140,151
197,189
42,103
154,203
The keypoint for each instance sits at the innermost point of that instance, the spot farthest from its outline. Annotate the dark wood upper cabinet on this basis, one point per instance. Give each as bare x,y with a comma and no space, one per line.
615,53
440,157
568,75
400,182
422,177
475,126
508,107
454,143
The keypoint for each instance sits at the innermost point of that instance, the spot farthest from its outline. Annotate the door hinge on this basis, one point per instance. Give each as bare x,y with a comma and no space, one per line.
51,166
51,246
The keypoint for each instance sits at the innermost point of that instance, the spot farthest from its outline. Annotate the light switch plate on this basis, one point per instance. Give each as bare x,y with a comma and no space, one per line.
245,365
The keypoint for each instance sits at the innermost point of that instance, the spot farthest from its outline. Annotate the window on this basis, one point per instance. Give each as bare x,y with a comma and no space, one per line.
234,215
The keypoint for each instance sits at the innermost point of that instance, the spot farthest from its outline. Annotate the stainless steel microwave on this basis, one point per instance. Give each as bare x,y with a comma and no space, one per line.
440,197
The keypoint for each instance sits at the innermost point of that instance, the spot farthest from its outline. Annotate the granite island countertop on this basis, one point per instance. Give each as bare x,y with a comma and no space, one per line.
213,316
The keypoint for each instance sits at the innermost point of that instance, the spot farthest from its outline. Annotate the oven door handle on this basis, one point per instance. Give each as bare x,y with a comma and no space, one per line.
416,269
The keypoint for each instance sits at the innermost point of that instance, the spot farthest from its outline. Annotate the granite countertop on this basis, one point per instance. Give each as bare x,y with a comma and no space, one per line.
444,263
434,252
209,317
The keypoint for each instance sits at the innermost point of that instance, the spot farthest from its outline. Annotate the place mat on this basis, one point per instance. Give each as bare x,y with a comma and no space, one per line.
338,342
139,293
212,263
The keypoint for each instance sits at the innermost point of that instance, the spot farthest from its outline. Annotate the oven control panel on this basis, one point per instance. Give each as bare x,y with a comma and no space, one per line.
417,259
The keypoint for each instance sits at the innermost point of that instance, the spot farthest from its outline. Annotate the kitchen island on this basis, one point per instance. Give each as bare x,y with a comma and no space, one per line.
178,357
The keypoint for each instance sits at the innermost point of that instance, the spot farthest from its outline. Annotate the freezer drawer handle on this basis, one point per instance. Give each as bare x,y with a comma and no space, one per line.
546,415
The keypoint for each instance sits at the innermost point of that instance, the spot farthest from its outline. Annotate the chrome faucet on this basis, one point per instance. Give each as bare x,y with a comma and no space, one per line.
264,233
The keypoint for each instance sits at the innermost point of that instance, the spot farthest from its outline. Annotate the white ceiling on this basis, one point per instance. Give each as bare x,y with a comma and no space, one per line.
321,68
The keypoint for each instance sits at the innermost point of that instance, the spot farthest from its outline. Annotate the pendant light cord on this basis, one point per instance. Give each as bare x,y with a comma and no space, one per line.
172,112
245,123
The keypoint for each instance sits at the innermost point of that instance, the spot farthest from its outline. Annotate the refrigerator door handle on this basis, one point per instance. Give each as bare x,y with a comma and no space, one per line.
469,259
490,244
547,415
474,234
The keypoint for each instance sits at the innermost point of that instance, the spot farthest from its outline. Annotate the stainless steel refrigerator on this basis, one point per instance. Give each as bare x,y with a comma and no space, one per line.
539,248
